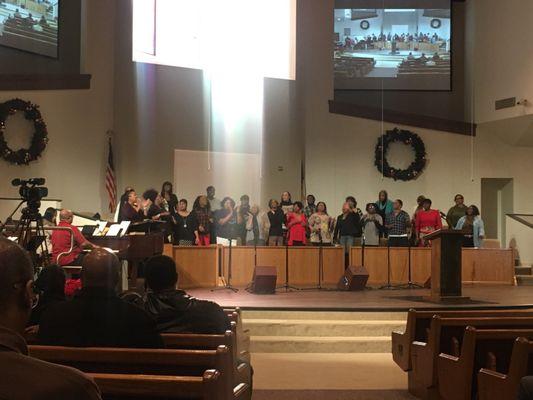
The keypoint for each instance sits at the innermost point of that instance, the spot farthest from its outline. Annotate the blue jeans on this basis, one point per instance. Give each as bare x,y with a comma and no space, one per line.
347,242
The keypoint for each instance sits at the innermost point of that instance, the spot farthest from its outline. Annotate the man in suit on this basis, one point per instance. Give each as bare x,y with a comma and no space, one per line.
24,377
97,317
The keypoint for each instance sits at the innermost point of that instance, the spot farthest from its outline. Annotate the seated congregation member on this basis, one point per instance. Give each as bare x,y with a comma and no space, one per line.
372,225
202,211
227,222
61,242
296,226
185,226
276,218
51,290
525,389
169,199
321,226
384,205
398,223
457,211
473,226
24,377
96,316
427,220
131,209
174,310
257,227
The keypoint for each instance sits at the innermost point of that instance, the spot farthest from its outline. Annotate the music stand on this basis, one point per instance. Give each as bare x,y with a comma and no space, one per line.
286,285
389,285
227,286
410,284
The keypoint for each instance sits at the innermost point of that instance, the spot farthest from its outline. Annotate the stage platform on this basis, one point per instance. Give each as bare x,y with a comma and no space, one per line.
482,297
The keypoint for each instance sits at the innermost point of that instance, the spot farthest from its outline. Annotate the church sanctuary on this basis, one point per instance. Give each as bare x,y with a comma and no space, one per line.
266,199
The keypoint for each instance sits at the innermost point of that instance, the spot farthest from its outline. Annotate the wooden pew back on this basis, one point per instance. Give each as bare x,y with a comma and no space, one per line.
489,348
148,387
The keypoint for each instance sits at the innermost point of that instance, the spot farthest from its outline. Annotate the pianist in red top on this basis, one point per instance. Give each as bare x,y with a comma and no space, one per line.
61,242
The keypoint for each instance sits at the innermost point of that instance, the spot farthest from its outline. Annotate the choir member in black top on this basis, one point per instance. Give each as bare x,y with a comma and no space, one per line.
277,219
131,209
347,228
185,226
170,200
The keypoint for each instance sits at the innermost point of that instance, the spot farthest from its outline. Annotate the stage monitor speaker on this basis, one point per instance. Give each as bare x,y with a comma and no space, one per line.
264,280
354,278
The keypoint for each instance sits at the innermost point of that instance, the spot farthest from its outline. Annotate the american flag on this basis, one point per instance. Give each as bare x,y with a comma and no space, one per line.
110,180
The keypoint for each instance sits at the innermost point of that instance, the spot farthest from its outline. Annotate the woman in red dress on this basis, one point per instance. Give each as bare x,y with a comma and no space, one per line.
296,224
426,221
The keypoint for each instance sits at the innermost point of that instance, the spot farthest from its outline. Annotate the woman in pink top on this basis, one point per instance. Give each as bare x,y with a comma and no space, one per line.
296,224
426,221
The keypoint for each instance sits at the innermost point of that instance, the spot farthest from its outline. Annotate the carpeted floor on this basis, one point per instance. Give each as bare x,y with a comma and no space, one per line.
323,376
332,395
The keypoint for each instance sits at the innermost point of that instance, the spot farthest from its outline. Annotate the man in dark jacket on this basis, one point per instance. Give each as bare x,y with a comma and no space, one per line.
174,310
96,317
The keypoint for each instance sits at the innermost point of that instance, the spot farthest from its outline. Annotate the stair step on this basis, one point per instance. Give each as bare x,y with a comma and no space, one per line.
319,344
324,328
524,280
523,270
324,315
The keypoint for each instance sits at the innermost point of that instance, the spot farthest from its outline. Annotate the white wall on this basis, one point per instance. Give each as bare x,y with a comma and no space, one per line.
75,158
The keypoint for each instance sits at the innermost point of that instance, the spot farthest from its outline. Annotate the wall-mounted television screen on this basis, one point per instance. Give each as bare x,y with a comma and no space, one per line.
30,25
394,48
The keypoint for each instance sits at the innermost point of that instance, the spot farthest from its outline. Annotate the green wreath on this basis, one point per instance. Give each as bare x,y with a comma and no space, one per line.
39,138
408,138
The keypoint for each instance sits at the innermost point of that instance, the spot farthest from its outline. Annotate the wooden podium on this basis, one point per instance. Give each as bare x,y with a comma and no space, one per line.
446,268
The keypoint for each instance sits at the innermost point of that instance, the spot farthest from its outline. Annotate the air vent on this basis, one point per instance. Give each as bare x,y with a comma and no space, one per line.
505,103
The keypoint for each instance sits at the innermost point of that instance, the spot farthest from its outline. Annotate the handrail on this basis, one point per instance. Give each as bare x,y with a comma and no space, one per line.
518,217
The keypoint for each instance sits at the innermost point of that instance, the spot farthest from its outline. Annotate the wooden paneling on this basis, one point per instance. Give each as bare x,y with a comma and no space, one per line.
488,265
197,266
478,265
303,264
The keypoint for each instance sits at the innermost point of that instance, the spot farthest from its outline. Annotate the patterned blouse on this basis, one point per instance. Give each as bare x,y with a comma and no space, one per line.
321,228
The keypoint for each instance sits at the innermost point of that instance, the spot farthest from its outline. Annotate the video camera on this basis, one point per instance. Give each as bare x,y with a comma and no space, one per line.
31,191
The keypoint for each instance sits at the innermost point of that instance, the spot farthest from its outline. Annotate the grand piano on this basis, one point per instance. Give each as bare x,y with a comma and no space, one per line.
133,247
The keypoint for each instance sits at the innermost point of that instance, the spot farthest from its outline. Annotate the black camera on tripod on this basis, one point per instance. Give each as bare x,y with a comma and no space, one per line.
32,192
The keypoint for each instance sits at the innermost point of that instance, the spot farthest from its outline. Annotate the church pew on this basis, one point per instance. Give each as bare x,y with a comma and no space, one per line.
445,336
480,348
143,361
418,323
148,387
495,385
240,361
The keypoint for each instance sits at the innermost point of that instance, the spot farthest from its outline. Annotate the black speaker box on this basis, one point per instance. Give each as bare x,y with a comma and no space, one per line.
264,280
354,278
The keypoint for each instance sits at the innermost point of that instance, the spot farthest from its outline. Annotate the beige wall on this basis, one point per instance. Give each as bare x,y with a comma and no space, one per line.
75,159
504,55
339,150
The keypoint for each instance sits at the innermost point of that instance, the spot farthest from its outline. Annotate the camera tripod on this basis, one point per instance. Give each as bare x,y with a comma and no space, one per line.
30,234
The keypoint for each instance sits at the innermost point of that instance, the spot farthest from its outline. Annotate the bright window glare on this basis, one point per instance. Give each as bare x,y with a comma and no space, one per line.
219,35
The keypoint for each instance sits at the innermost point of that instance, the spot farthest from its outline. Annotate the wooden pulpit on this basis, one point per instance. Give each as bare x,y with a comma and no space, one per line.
446,268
